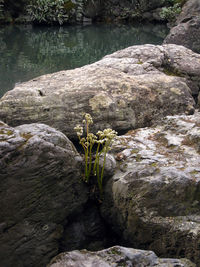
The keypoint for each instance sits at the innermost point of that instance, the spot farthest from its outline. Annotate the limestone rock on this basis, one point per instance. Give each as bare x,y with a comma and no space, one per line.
40,188
85,231
115,256
187,29
153,200
128,89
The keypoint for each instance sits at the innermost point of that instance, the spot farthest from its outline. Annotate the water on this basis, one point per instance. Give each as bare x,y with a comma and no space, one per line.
27,52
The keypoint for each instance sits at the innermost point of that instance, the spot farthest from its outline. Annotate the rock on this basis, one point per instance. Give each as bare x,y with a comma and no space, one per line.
128,89
187,30
115,256
153,15
40,189
153,200
85,231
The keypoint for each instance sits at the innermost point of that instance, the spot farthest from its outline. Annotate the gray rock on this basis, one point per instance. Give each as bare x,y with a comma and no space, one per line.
153,200
85,231
40,189
128,89
187,29
115,256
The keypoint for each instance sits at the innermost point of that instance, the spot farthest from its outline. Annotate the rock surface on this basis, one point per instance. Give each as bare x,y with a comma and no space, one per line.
128,89
153,200
187,29
40,188
85,231
115,256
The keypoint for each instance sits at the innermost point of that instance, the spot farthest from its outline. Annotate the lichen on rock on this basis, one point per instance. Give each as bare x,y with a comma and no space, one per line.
116,256
154,202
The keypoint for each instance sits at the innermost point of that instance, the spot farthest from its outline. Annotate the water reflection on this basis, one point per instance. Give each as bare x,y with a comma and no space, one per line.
27,52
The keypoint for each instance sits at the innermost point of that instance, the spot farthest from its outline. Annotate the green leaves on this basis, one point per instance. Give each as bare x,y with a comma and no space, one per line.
170,13
48,11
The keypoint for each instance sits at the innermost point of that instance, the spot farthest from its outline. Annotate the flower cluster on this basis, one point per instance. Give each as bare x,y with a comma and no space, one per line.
79,130
103,140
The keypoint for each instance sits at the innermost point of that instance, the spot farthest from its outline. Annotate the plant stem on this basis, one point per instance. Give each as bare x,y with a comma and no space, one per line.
98,177
90,161
86,154
103,167
96,158
86,164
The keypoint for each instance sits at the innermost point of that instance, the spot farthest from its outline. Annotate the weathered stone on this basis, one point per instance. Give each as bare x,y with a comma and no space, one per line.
85,231
187,29
115,256
40,188
128,89
153,200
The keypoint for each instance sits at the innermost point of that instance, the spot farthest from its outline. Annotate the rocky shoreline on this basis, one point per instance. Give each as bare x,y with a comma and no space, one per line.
151,185
151,202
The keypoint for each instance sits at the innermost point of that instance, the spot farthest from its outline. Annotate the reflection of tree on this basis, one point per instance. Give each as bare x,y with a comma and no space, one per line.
29,52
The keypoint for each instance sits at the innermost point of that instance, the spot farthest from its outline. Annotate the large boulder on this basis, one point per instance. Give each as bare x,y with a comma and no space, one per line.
187,29
115,256
153,200
40,189
128,89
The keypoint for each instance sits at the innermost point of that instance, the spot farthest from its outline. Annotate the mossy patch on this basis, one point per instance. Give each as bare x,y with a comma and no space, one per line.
154,164
138,158
140,62
6,132
134,150
161,138
194,172
26,136
172,72
115,251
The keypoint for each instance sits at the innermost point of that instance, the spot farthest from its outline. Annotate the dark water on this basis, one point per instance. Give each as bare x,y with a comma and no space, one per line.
27,52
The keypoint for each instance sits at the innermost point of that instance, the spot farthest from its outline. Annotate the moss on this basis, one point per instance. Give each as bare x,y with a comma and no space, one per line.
154,164
134,151
160,137
115,251
172,72
138,158
6,132
26,136
194,172
139,62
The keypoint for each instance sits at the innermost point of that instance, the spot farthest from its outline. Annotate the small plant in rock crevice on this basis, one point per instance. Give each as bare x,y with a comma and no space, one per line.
102,142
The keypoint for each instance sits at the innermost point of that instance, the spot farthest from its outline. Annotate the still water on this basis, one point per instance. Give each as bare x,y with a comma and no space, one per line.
27,52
